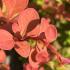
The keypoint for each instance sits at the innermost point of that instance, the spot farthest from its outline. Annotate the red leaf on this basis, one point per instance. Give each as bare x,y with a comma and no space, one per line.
44,24
49,30
1,14
15,27
10,5
15,6
2,56
35,30
40,46
25,18
66,60
21,5
22,48
42,56
6,40
29,67
62,59
51,33
34,64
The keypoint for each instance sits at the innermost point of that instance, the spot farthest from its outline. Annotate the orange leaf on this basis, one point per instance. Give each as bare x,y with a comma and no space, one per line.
25,18
6,40
2,56
51,33
22,48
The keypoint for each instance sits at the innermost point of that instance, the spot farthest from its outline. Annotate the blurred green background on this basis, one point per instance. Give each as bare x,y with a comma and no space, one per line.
58,11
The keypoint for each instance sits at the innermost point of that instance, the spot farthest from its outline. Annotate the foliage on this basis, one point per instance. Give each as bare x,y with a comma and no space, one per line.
42,27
